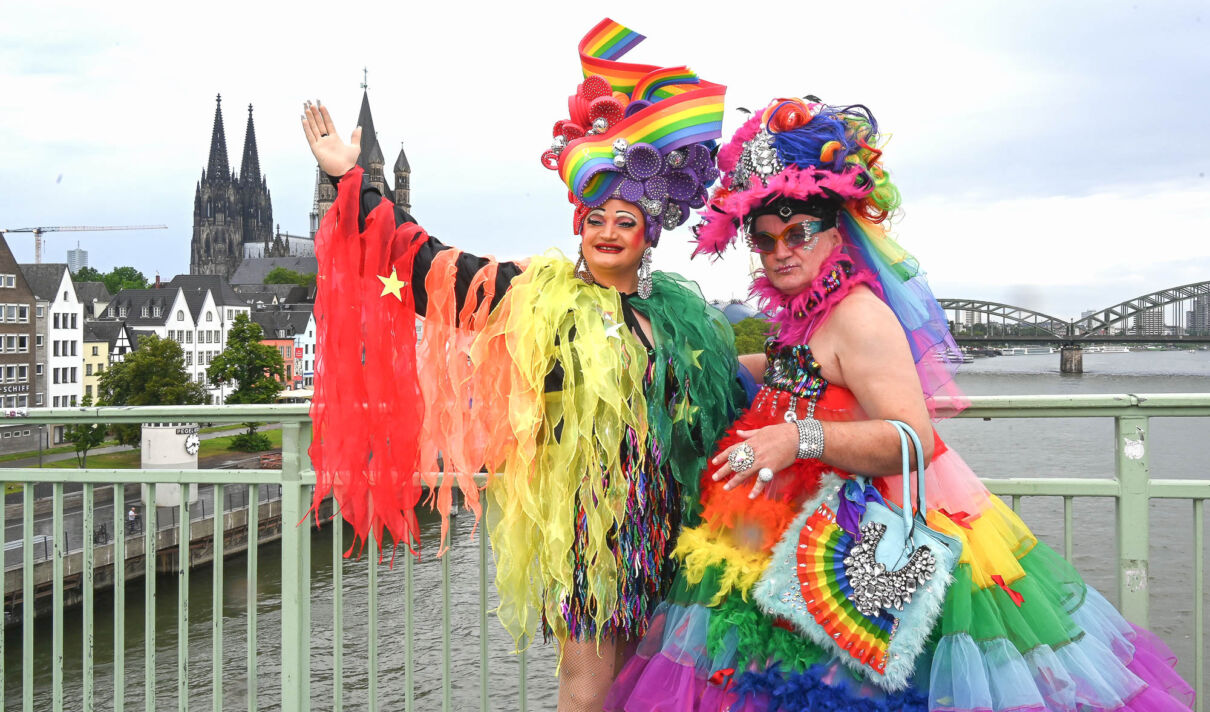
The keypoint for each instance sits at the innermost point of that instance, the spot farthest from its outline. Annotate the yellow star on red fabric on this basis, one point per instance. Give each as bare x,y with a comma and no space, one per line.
392,285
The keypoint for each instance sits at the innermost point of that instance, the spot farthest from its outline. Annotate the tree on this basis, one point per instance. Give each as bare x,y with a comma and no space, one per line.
281,275
120,278
88,274
256,369
153,374
85,436
750,335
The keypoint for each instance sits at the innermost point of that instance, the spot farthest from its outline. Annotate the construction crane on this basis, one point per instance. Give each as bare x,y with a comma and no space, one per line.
37,231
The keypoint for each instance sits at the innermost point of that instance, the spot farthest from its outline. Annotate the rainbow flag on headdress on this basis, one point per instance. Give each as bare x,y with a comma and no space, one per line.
685,109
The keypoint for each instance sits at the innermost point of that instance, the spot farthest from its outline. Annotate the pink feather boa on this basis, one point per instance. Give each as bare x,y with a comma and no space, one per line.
796,317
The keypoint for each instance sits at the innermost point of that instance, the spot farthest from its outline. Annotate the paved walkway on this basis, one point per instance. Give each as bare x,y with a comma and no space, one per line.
32,461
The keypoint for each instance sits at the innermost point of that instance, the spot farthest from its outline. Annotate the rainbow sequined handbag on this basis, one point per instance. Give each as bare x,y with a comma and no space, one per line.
861,577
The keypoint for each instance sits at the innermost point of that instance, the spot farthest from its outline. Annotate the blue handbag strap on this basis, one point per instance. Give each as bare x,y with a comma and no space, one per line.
905,431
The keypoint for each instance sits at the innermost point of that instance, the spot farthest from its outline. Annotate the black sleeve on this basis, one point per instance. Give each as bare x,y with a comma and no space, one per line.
467,265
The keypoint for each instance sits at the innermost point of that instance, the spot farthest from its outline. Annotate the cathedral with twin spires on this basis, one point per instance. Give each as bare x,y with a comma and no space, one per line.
230,210
233,213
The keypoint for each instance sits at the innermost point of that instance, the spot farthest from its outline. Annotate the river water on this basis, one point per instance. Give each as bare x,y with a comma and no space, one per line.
1001,448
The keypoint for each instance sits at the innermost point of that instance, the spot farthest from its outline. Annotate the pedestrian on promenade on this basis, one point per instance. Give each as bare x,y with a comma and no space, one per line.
594,387
132,520
785,599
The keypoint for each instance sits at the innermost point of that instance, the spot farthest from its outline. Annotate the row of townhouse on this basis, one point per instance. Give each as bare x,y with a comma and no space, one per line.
57,336
290,328
196,311
17,353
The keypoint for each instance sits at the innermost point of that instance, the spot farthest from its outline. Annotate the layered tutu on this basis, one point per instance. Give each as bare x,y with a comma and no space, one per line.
1020,631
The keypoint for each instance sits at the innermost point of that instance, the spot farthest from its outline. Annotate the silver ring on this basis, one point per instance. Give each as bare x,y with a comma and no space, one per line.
742,458
765,474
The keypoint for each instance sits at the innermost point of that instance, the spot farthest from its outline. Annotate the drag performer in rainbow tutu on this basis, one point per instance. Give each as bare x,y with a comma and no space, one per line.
594,389
858,339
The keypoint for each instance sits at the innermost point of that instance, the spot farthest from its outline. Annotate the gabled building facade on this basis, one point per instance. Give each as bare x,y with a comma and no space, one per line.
96,358
60,319
18,388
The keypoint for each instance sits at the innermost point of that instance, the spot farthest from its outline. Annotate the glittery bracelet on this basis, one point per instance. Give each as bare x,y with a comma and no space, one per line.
810,439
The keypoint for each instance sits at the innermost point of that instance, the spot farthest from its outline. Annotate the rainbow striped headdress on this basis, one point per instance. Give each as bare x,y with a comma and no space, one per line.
637,132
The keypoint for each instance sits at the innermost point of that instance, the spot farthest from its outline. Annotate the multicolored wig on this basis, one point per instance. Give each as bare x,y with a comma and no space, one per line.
637,132
801,154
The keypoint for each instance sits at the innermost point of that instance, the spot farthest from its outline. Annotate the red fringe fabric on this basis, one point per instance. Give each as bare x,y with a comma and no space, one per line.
367,409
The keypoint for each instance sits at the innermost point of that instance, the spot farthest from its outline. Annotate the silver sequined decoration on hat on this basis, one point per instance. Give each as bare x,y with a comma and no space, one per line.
651,206
620,145
558,144
672,217
874,588
676,158
758,157
600,125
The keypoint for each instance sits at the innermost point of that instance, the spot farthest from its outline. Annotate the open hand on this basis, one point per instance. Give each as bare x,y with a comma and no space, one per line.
335,157
775,447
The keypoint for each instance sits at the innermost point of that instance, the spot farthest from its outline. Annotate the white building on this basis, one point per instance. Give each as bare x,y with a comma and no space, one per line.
60,318
196,311
1149,322
304,343
164,312
214,306
77,259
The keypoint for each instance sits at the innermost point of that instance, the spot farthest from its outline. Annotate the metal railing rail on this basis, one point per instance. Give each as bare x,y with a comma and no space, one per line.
1131,487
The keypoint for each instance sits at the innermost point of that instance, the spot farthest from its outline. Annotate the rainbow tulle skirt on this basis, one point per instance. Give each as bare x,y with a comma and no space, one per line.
1020,632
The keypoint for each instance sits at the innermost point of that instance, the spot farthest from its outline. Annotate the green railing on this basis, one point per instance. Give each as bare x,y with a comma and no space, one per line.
1131,488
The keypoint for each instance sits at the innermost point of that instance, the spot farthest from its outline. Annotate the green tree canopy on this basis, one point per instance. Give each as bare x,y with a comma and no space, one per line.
281,275
120,278
256,369
153,374
750,335
88,274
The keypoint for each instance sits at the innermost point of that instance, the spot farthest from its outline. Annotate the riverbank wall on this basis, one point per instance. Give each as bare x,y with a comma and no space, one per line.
234,526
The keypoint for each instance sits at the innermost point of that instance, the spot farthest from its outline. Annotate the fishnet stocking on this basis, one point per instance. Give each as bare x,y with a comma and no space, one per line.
586,672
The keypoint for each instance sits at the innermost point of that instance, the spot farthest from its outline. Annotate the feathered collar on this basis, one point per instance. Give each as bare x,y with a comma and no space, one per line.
796,317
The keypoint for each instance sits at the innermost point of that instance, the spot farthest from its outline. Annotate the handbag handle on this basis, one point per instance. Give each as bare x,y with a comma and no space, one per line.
905,431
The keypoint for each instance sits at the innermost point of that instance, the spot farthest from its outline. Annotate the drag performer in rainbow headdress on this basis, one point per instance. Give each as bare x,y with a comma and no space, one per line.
594,390
762,616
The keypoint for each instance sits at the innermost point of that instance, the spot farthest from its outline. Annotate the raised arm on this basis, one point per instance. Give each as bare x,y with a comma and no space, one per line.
336,158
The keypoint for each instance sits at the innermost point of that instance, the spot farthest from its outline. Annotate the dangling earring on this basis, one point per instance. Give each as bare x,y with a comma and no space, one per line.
582,269
645,275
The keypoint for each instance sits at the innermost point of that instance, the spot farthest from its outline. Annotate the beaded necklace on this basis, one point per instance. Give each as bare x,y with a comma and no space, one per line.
792,372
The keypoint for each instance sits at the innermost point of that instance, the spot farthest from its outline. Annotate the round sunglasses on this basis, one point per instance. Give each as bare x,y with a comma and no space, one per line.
795,235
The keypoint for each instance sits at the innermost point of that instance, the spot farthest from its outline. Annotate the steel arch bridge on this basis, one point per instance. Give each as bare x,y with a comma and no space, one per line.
1113,323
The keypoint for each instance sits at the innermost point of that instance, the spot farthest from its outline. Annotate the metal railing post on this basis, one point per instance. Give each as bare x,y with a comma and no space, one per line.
295,598
1133,516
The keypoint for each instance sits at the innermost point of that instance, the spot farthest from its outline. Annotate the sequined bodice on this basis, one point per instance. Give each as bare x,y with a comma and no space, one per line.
794,370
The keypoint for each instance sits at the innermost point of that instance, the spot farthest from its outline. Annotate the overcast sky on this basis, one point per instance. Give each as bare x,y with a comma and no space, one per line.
1050,154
